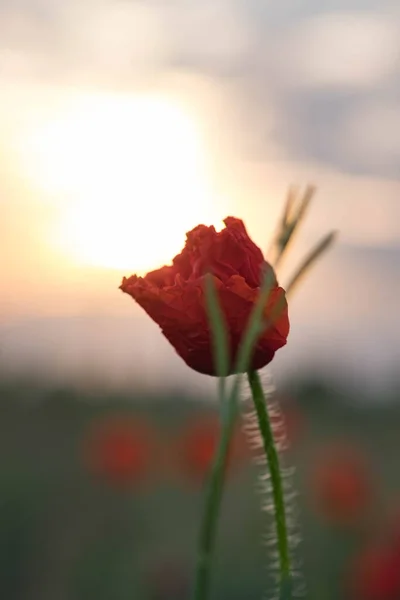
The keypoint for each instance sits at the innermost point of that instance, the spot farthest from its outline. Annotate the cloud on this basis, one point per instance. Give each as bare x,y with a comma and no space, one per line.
209,34
370,136
106,41
116,36
355,50
295,75
102,41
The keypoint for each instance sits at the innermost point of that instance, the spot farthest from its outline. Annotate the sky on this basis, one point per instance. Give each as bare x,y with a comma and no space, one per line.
125,124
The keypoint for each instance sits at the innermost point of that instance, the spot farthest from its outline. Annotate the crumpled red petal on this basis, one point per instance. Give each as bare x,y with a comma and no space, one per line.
173,296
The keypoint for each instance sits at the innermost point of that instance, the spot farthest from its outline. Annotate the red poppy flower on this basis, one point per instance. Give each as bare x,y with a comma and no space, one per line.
376,574
341,485
118,449
174,298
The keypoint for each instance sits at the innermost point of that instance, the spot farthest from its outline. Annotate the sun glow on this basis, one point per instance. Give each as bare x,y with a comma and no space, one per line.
129,176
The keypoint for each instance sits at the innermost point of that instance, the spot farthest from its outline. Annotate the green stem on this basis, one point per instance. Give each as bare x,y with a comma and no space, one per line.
213,503
276,479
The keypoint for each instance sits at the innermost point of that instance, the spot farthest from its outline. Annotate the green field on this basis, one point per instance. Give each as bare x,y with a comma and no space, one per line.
69,532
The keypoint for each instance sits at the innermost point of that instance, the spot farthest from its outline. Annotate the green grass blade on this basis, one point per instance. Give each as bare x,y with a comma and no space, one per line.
255,325
288,210
310,260
304,204
283,225
290,227
219,332
228,407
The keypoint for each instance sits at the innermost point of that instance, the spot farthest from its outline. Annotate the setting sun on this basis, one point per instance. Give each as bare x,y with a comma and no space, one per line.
129,177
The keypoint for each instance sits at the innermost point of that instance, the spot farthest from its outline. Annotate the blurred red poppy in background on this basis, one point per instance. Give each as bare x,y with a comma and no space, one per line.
390,515
375,574
118,449
197,446
168,580
341,484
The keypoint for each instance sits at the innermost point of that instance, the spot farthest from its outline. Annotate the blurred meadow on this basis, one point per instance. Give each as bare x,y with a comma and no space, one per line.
124,125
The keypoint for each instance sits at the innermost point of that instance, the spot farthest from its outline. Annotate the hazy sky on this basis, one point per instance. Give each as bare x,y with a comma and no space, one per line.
126,123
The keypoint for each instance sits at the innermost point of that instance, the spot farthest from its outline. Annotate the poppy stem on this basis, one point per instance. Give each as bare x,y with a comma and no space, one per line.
276,481
209,523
